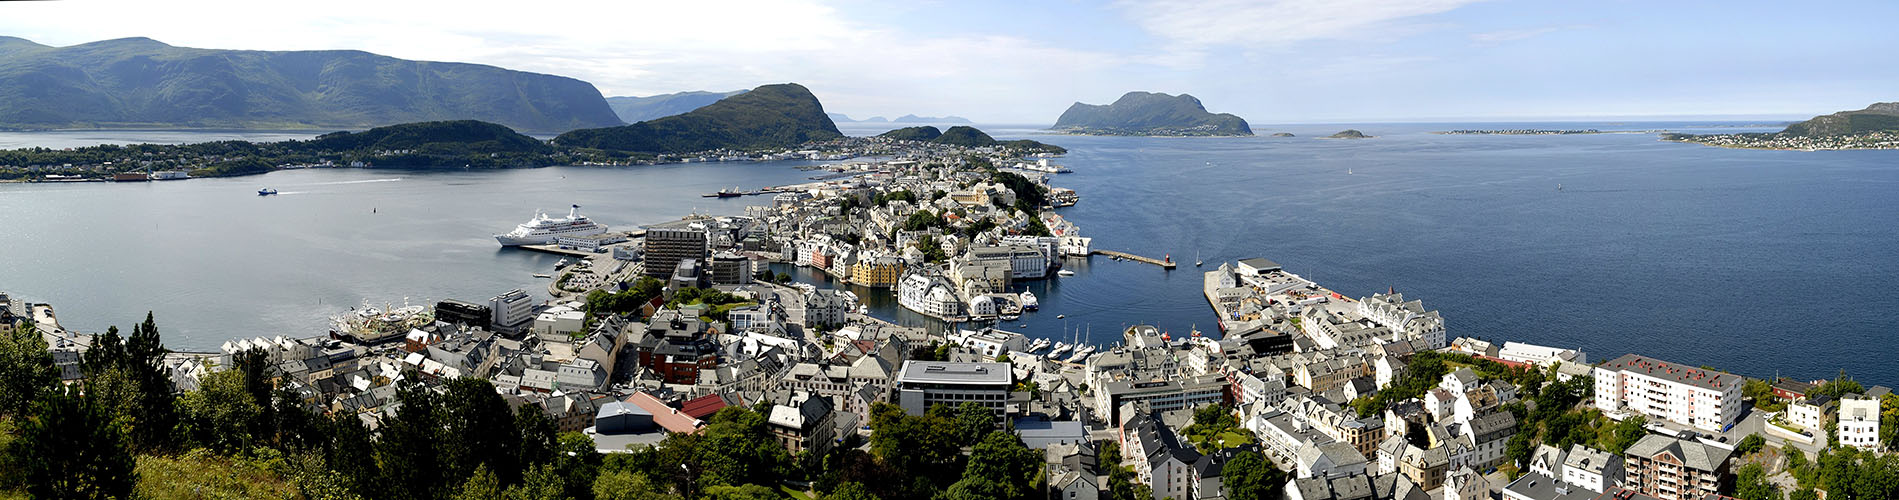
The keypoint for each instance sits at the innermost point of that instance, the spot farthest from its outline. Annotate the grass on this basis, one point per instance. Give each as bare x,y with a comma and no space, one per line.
202,475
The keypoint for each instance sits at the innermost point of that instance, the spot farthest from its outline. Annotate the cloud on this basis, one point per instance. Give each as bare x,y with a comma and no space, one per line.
1500,37
1207,23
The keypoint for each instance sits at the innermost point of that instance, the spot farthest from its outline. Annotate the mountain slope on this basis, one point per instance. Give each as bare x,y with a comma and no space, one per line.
639,109
1877,117
1150,113
140,82
771,116
968,137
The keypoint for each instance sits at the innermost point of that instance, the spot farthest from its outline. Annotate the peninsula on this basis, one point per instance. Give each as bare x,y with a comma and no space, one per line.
1875,127
771,116
1150,114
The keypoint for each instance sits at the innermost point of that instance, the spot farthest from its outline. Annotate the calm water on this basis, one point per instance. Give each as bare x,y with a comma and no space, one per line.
1751,261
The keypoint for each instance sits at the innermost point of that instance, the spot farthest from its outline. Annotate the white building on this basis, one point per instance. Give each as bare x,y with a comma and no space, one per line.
1540,355
1859,421
990,342
922,384
1660,390
930,295
511,309
1409,318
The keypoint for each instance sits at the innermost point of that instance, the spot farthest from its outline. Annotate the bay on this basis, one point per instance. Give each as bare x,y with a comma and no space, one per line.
1756,262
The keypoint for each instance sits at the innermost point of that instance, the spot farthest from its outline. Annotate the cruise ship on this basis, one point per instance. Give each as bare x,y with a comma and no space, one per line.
542,229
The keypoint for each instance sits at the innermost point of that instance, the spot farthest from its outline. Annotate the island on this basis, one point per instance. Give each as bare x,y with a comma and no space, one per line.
770,116
1875,127
1150,114
632,109
969,137
1282,134
144,83
1349,134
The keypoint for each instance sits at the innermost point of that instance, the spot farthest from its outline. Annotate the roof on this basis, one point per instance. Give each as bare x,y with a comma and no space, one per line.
703,407
940,372
1679,373
666,416
1692,454
1540,487
1588,459
1260,263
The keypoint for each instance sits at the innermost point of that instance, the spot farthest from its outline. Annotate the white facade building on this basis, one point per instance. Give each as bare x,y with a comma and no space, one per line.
1660,390
1859,422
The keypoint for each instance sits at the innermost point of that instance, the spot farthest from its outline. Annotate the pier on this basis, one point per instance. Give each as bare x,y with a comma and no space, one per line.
1164,263
557,250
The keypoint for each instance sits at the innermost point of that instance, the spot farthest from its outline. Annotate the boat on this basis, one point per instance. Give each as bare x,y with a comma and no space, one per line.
1061,316
1029,303
266,192
370,325
1038,344
560,265
1064,272
1081,354
1196,259
543,276
1060,348
1009,315
542,229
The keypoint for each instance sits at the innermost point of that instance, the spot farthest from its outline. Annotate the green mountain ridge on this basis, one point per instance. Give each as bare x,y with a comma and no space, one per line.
770,116
638,109
140,82
967,137
1150,113
1882,116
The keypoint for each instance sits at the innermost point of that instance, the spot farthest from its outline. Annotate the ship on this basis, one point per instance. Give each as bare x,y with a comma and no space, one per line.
266,192
1029,303
726,193
542,229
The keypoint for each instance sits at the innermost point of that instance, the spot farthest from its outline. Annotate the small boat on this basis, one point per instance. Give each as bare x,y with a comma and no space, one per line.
1029,303
1064,272
1081,354
1060,348
1038,344
1024,325
1009,316
266,192
1061,316
560,265
537,275
1196,259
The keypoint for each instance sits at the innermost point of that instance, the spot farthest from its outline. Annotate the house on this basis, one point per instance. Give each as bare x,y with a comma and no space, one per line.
805,422
1466,484
1330,459
1675,469
1859,422
1355,487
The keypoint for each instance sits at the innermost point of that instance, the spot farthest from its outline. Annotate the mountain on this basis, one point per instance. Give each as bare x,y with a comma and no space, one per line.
1149,113
930,119
876,119
967,137
140,82
639,109
1877,117
771,116
460,137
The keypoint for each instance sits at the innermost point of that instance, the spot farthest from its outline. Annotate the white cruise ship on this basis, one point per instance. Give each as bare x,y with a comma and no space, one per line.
542,229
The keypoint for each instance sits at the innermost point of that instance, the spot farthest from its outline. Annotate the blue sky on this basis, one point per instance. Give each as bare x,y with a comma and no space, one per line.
1276,61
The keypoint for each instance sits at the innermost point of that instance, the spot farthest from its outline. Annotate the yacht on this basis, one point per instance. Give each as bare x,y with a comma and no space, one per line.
542,229
1028,301
1060,348
1038,344
266,192
1064,272
1081,354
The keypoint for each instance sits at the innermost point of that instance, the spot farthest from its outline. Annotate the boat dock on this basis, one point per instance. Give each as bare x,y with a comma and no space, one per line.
557,250
1164,263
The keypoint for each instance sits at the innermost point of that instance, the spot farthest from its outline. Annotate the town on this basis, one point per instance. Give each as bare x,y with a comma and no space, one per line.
660,342
1862,140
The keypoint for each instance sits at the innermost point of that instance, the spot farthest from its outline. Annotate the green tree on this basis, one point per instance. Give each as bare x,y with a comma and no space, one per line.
479,431
852,490
1751,483
541,482
1250,476
1001,458
1803,494
127,376
1750,444
973,422
482,485
626,485
914,446
736,448
72,448
1625,434
219,415
26,369
410,442
578,464
741,492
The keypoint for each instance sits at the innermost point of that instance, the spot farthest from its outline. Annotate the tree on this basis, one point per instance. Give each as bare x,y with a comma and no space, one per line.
1250,476
973,422
219,415
479,431
1750,444
128,376
736,448
541,482
409,443
1751,484
1625,434
851,490
626,485
1001,458
26,369
976,488
1803,494
742,492
72,448
481,486
577,462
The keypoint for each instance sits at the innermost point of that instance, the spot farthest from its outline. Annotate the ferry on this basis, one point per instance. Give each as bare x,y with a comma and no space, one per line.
1029,303
266,192
542,229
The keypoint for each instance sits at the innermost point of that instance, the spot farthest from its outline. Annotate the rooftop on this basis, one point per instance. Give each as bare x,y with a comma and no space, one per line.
1679,373
943,372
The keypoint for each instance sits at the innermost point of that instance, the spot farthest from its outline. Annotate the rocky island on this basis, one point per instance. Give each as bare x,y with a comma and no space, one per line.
1150,114
1282,134
1349,134
1876,127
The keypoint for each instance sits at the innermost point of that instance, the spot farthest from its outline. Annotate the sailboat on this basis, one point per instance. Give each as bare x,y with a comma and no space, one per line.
1348,170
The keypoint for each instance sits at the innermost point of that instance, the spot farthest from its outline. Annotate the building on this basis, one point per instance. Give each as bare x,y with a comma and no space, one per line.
1355,487
1859,422
667,245
1659,390
930,295
880,272
1160,394
729,268
1582,473
922,384
1676,469
677,347
464,313
512,310
805,423
990,342
1390,310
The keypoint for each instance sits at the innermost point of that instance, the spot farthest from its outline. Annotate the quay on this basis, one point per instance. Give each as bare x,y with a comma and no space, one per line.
557,250
1164,263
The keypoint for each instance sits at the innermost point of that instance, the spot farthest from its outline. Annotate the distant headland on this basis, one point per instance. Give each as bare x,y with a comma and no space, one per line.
1150,114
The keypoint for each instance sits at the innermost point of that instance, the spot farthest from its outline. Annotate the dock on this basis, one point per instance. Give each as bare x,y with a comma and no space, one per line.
557,250
1164,263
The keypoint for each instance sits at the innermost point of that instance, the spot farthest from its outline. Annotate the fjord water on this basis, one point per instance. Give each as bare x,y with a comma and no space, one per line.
1750,261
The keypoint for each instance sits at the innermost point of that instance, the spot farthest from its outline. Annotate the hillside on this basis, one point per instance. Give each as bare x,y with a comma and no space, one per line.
462,137
639,109
771,116
1877,117
140,82
968,137
1150,113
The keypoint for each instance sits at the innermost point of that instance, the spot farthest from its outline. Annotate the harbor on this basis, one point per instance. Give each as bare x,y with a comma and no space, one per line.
1164,263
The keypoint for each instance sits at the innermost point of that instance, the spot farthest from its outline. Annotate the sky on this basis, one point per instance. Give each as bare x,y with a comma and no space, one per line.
1025,61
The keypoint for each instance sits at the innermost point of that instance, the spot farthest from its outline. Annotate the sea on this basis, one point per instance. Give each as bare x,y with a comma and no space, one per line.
1761,263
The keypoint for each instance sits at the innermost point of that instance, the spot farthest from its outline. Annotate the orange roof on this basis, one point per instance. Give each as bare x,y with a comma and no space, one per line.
666,416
